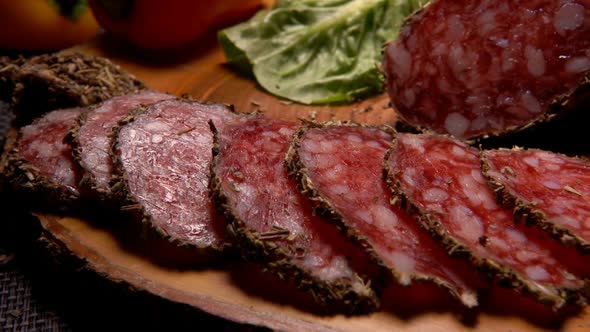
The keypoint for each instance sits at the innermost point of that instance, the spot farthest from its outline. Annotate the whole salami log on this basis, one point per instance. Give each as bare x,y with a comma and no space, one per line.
543,188
162,156
439,180
473,68
60,80
37,165
91,138
274,221
340,168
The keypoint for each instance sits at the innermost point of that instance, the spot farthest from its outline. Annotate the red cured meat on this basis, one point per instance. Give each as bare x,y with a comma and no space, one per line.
475,67
92,141
552,190
163,156
442,180
345,166
41,144
265,206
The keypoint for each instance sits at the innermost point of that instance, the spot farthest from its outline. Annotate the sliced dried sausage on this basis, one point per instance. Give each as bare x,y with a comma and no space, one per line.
275,222
91,137
544,188
162,157
439,180
341,169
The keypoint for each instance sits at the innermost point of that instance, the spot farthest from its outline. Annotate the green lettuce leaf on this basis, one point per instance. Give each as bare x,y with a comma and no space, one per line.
314,51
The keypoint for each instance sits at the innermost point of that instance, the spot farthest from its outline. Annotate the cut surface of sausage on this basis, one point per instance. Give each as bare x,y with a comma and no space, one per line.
37,169
467,219
473,67
343,165
163,156
41,144
553,190
92,140
267,211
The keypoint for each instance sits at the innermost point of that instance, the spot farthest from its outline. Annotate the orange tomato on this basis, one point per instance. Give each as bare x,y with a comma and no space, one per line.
45,24
156,24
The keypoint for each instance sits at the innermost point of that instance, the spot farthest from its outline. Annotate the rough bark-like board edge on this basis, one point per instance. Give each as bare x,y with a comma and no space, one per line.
559,108
32,189
324,208
528,212
51,256
40,84
489,269
119,191
277,261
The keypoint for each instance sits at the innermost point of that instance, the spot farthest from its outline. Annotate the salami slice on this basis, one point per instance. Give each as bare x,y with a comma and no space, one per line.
340,169
440,182
59,80
91,138
38,165
473,68
162,158
544,188
275,222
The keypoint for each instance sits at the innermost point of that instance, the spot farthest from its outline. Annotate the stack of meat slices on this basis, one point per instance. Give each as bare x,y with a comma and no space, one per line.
40,164
274,221
435,219
339,168
90,138
439,181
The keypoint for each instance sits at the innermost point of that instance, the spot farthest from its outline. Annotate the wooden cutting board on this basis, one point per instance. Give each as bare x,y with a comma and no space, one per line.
235,293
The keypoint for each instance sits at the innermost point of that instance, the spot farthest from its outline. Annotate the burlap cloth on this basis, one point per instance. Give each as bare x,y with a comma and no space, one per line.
19,309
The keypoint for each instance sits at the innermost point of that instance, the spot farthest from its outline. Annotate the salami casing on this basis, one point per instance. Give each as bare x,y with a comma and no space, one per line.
440,182
38,166
340,168
8,68
91,138
162,156
275,222
60,80
543,188
473,68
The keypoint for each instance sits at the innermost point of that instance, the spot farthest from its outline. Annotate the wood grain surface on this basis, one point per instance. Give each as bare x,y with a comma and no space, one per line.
237,291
